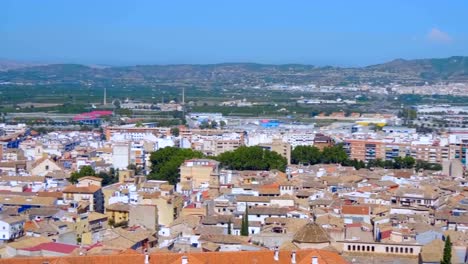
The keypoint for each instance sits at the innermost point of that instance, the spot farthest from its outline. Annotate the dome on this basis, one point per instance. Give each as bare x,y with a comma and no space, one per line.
311,233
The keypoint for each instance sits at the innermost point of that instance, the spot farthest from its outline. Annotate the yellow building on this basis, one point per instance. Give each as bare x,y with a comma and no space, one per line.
280,147
198,172
125,175
169,207
118,213
86,224
84,198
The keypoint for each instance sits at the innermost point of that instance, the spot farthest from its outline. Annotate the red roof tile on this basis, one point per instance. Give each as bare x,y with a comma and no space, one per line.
54,247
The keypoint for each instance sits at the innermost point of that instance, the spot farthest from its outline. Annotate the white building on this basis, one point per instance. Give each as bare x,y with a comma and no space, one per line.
121,156
11,227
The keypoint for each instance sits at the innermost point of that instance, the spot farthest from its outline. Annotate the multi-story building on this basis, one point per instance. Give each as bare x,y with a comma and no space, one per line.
121,155
280,147
198,172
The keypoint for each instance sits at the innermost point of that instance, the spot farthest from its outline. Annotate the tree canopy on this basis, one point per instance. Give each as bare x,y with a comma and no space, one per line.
252,158
336,154
306,154
84,171
312,155
107,177
166,162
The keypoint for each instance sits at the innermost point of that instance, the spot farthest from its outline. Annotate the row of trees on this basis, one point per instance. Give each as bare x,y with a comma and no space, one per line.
336,154
166,162
313,155
252,158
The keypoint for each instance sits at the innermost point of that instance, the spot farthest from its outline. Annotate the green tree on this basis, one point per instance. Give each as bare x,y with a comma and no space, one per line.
222,124
107,178
334,154
408,162
204,124
229,228
305,155
166,162
447,257
252,158
175,131
138,124
135,168
245,223
84,171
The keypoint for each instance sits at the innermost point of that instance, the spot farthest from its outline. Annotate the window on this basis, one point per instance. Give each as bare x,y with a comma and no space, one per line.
349,247
411,250
354,248
373,248
406,250
358,248
47,167
368,248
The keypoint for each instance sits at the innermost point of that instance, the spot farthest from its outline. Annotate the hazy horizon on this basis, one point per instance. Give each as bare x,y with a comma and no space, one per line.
336,33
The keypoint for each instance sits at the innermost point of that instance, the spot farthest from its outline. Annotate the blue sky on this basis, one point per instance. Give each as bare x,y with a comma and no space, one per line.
343,33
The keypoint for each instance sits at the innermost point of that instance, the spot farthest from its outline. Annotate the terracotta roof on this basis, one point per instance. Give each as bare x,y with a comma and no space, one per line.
355,210
87,189
246,257
311,233
250,198
54,247
432,252
90,178
29,200
28,242
121,207
268,211
50,194
224,239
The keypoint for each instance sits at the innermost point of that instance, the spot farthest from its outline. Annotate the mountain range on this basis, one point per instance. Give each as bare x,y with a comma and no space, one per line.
410,72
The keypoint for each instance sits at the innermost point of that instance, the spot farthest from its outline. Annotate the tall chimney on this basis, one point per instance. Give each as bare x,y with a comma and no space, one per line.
314,260
293,257
184,260
276,256
105,96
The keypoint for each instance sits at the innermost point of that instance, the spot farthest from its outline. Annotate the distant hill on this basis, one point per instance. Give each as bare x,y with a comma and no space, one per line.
449,69
6,65
453,69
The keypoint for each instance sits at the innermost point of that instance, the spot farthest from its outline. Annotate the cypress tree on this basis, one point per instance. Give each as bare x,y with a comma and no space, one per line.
229,231
245,224
447,257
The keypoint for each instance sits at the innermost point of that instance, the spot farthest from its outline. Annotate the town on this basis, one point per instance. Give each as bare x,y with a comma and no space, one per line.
348,192
233,132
